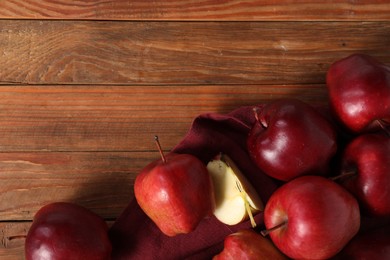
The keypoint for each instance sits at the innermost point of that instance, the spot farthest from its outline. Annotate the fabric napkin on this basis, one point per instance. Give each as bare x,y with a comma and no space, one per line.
135,236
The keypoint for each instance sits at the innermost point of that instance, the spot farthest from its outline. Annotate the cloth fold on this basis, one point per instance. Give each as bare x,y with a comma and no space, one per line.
135,236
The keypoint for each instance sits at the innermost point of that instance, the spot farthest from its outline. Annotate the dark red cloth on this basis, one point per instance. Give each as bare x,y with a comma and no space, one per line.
134,235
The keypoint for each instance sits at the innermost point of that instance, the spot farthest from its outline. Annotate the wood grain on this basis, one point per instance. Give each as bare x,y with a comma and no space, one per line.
181,53
121,118
85,85
238,10
12,240
101,182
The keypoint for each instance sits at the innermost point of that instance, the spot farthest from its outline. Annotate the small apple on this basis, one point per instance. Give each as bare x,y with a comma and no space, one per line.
63,231
249,245
359,92
366,172
175,191
290,138
235,197
311,217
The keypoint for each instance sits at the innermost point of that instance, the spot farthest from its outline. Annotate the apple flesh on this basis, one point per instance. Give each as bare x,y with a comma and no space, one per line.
311,217
290,138
359,92
176,192
235,198
249,245
62,231
366,166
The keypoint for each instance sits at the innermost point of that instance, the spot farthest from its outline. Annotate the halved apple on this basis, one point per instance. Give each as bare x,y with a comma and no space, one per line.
235,198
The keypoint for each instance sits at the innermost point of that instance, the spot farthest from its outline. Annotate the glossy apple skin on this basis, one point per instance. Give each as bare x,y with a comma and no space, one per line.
176,194
321,216
359,91
291,139
246,244
368,155
372,244
63,231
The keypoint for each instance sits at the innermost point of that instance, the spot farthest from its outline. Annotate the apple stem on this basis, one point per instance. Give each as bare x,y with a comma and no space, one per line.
247,206
383,124
343,175
159,149
267,231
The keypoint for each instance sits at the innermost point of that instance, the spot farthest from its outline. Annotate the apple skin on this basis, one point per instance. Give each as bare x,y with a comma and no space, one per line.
176,194
246,244
359,92
368,157
63,231
372,244
290,139
320,218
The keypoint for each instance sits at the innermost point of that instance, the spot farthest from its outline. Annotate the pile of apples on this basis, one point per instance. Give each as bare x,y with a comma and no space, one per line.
333,169
317,210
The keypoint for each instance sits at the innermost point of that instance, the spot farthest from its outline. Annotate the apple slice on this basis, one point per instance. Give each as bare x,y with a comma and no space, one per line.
235,198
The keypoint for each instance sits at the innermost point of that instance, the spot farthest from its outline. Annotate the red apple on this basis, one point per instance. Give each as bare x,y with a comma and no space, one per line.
176,192
63,231
290,138
366,167
249,245
359,92
311,217
372,244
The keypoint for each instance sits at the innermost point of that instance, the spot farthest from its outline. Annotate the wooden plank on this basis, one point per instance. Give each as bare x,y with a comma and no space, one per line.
260,10
86,52
12,240
121,118
102,182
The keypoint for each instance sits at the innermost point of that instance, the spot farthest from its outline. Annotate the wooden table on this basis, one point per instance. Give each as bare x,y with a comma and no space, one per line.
85,85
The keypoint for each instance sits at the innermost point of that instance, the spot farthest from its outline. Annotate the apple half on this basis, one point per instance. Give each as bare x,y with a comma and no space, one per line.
236,199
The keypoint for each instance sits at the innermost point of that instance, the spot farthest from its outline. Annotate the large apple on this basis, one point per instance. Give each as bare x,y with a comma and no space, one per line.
63,231
235,197
359,92
311,217
371,244
366,167
249,245
290,138
175,191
